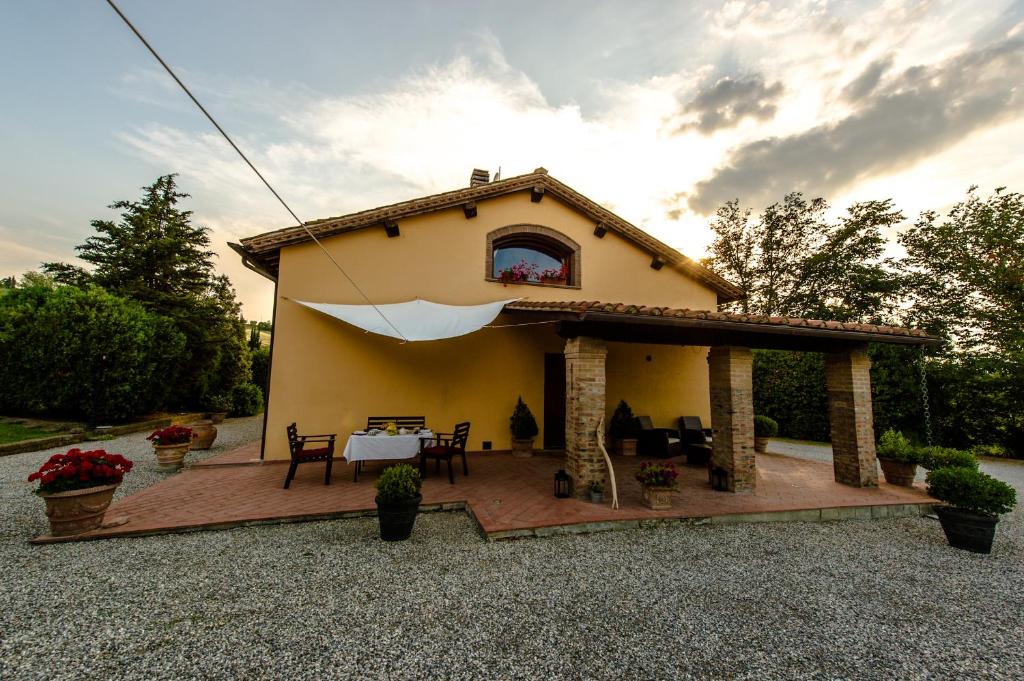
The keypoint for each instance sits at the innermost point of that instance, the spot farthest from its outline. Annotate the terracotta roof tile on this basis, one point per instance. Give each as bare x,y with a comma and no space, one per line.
582,308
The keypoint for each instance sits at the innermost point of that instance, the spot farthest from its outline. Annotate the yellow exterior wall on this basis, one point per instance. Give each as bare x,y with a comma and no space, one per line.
328,376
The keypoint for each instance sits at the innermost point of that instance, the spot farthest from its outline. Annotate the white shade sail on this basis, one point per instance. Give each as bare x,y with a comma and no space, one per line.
416,320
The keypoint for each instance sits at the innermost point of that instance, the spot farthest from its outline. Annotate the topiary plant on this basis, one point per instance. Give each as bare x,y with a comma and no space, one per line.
765,427
522,423
398,483
624,425
971,490
933,458
893,445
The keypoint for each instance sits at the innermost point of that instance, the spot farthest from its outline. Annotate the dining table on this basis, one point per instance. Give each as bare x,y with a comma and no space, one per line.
363,446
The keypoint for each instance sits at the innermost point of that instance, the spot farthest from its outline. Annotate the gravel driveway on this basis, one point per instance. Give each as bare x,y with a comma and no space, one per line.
878,599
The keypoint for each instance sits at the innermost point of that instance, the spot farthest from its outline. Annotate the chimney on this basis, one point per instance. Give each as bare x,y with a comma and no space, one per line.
479,177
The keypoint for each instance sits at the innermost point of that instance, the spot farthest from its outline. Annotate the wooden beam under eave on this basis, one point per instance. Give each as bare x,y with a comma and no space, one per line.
391,228
537,193
469,209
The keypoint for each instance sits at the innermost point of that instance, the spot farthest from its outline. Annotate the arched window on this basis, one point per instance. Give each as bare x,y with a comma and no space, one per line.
532,254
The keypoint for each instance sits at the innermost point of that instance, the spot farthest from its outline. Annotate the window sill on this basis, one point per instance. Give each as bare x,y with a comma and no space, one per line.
530,283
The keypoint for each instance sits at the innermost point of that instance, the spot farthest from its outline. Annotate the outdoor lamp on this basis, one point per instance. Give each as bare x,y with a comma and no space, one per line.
719,479
562,481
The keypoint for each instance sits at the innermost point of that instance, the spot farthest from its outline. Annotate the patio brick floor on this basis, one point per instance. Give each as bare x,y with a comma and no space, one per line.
508,497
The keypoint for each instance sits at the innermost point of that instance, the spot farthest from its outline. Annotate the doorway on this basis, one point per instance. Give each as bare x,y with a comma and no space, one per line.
554,400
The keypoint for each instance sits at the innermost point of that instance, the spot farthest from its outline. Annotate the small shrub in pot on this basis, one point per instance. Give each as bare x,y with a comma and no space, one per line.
624,429
898,458
975,502
524,429
933,458
596,492
398,500
765,428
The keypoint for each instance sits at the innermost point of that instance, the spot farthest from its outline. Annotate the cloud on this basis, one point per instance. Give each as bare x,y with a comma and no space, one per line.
864,84
728,101
922,111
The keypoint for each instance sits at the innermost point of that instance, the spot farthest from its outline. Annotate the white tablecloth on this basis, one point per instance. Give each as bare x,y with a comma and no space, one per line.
382,447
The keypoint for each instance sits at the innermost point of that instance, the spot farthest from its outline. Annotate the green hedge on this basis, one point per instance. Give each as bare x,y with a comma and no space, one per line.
84,353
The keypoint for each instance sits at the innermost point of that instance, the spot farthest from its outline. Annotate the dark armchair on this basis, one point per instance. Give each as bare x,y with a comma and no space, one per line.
695,440
660,443
301,454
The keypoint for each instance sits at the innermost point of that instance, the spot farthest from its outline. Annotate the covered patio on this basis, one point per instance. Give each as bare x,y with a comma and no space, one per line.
588,326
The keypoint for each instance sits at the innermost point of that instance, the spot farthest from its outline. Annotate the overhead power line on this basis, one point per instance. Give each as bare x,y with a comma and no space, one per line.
234,146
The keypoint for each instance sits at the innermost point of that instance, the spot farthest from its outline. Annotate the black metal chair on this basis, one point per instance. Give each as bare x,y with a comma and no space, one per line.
447,446
661,443
297,446
380,422
695,440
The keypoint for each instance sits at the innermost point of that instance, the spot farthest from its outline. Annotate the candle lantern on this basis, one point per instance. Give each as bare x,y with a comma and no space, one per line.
562,483
719,479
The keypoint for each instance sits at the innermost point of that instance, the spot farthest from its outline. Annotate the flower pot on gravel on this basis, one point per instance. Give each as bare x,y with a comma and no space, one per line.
78,487
966,530
203,434
77,511
765,428
398,501
761,444
171,457
976,500
900,473
170,445
218,416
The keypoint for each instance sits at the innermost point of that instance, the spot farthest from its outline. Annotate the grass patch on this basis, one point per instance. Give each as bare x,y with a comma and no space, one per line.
16,432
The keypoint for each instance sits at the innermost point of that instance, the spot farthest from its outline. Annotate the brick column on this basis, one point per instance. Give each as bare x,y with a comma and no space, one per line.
848,374
584,407
732,414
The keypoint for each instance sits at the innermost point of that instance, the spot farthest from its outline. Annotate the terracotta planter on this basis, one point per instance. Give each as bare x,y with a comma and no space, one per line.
171,457
78,510
898,472
203,434
761,444
657,498
522,449
218,416
626,446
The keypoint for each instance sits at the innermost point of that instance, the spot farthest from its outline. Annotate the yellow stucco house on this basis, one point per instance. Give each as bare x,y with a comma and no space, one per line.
643,336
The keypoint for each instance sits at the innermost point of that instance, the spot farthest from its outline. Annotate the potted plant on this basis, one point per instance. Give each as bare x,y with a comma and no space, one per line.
398,500
974,503
219,405
765,428
524,430
657,480
555,275
898,458
623,429
78,487
596,490
203,434
171,444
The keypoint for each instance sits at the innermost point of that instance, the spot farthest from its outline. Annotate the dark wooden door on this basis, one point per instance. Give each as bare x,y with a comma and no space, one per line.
554,400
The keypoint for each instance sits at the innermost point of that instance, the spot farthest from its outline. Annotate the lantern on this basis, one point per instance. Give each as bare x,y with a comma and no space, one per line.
562,482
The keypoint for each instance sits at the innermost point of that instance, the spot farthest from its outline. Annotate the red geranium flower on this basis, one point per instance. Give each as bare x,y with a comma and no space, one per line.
78,470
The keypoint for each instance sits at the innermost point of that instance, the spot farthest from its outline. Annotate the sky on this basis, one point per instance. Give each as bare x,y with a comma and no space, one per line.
660,111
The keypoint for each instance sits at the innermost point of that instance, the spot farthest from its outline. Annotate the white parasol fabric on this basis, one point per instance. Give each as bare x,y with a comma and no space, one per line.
416,320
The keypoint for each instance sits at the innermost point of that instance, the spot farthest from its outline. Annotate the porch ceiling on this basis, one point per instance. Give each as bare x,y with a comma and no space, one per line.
671,326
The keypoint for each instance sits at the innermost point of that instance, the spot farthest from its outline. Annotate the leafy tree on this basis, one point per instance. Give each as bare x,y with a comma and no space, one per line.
84,352
794,262
154,255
